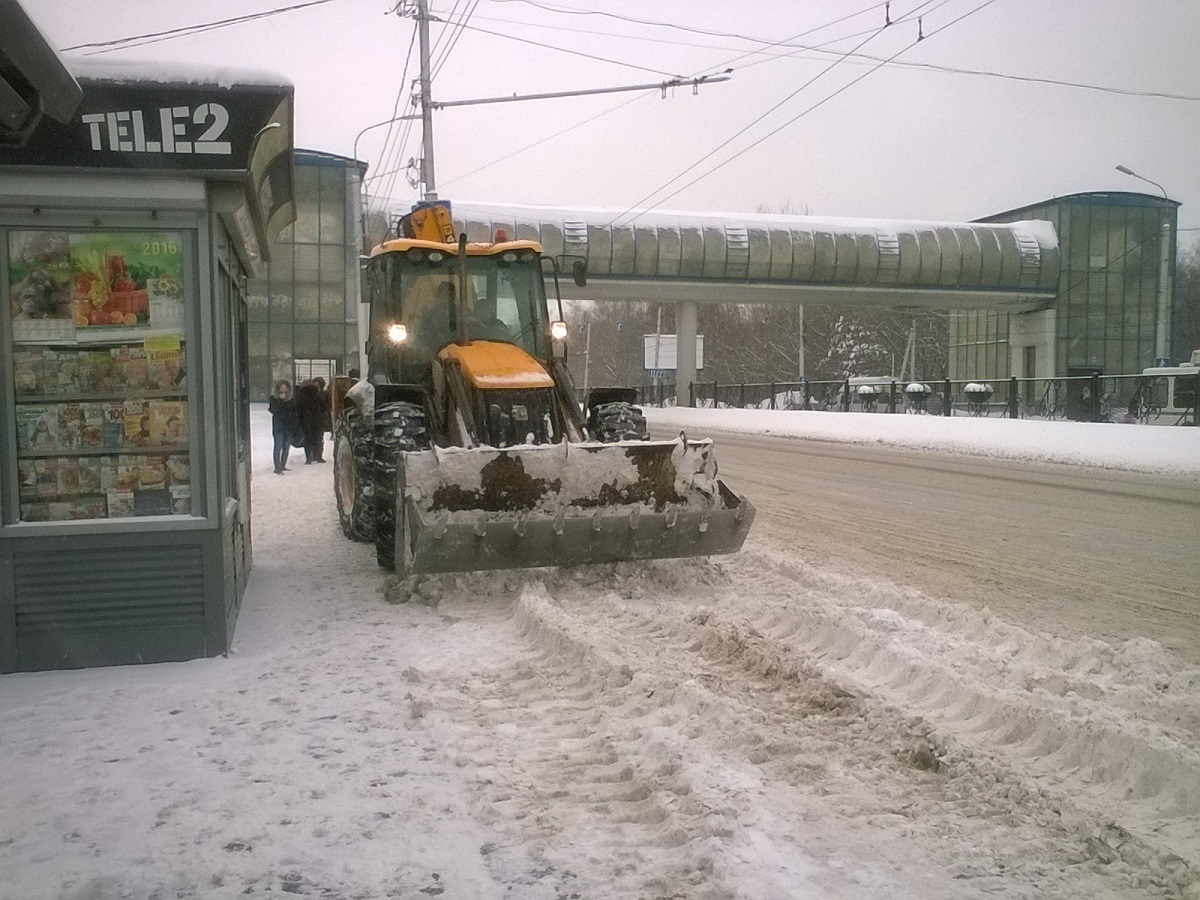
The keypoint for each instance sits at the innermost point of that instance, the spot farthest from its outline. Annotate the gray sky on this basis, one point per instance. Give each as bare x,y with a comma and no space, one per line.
904,142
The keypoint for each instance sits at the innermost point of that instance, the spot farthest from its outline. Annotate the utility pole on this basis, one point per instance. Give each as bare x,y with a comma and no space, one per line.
427,175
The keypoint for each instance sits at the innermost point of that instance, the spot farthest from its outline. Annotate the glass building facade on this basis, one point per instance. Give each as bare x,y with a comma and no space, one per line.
1105,316
304,307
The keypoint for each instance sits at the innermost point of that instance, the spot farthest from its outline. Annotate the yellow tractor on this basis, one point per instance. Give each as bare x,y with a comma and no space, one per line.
464,446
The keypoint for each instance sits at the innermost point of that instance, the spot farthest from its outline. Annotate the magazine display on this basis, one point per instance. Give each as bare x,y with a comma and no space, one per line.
98,487
99,373
92,372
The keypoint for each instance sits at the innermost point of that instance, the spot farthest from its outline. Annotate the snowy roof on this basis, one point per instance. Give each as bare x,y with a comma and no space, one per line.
128,71
616,217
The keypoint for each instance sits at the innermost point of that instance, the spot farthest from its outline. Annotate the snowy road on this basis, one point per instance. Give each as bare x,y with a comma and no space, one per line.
1064,549
758,727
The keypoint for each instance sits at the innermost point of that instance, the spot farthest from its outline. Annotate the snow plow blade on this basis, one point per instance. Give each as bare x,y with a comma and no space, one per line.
564,505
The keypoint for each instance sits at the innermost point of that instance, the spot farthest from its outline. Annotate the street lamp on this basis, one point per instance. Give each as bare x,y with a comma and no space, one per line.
1162,339
378,125
1125,170
363,185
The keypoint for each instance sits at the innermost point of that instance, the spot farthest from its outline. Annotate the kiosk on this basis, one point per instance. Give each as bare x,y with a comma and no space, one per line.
127,234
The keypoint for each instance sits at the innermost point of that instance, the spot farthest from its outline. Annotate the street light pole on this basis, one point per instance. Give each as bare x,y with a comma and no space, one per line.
363,185
1162,335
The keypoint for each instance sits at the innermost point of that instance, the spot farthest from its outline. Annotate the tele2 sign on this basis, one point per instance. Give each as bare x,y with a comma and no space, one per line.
170,129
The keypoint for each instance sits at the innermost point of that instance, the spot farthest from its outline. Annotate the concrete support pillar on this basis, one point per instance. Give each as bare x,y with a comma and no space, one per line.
685,351
1162,335
800,348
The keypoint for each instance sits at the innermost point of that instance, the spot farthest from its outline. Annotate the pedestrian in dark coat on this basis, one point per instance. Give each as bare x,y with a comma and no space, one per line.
326,405
284,423
310,409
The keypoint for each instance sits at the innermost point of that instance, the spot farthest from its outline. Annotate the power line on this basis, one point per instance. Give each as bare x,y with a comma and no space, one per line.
747,127
615,62
791,121
400,92
622,105
703,31
458,33
550,137
823,49
140,40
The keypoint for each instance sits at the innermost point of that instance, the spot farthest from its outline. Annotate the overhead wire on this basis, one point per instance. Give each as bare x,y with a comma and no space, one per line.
823,49
591,56
406,127
141,40
456,36
638,97
686,28
444,45
443,33
816,105
880,30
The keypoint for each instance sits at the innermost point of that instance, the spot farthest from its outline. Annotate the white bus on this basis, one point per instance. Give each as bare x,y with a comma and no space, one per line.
1173,392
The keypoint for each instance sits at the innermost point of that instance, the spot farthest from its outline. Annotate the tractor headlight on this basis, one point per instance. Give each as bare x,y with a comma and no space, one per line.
397,333
558,331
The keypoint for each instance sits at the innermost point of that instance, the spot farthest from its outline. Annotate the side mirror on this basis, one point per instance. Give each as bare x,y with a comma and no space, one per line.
579,272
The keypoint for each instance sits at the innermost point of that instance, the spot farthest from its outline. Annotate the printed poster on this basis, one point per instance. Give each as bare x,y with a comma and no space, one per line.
39,277
68,287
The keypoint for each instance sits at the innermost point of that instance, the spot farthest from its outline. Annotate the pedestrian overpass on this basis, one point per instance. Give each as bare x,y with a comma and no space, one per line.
686,259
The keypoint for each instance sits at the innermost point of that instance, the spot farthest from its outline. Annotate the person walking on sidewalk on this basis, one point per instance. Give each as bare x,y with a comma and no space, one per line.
310,409
284,423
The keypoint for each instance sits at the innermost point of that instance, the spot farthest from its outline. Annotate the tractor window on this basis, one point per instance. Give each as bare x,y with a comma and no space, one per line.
505,301
514,295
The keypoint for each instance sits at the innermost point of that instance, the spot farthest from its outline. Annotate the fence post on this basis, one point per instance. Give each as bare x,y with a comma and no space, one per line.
1196,400
805,397
742,396
772,403
715,393
1095,411
692,395
1014,401
946,408
846,395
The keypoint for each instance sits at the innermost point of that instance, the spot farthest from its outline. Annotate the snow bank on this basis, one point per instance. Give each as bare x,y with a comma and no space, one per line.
1130,447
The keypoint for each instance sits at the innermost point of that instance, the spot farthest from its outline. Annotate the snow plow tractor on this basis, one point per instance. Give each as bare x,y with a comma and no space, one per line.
464,447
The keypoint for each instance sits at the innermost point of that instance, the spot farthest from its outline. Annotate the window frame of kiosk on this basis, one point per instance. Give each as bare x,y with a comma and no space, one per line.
146,472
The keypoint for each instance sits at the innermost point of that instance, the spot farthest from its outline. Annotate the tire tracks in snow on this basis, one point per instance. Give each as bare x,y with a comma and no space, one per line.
693,708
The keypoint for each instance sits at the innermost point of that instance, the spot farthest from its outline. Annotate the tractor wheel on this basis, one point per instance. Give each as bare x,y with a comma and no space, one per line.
352,483
618,421
399,427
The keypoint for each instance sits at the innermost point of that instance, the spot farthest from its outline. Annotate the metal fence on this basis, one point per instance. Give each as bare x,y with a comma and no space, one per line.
1094,398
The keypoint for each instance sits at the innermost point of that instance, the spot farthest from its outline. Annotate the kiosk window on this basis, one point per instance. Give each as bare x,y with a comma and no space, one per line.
100,373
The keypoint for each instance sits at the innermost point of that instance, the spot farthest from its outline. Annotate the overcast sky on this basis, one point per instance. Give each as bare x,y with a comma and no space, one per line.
904,142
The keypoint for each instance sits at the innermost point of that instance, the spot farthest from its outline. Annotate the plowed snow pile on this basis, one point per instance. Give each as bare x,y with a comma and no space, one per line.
749,728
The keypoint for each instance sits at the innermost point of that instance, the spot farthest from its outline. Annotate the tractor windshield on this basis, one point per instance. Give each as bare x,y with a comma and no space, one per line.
505,301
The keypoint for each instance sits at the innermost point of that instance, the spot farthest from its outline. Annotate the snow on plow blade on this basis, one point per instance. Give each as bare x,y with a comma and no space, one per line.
564,505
